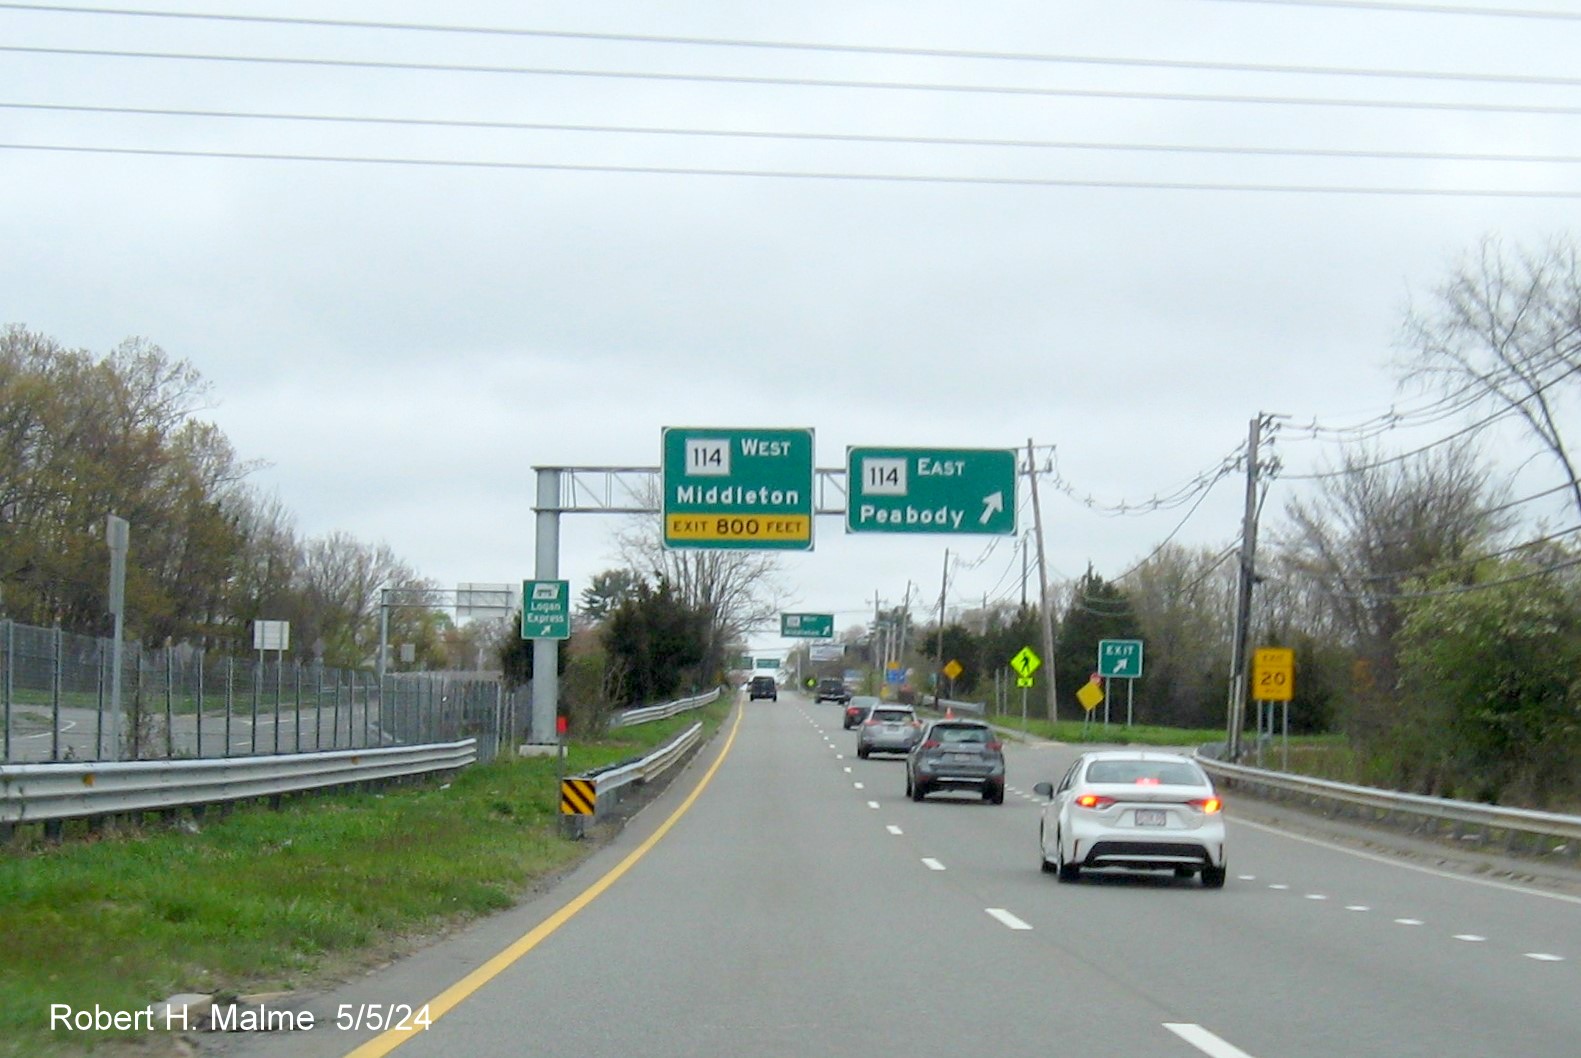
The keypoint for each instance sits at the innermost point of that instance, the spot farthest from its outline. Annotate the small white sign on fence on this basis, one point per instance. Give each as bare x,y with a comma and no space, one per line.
272,635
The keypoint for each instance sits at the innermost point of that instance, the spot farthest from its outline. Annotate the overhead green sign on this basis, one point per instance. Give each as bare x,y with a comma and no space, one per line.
546,609
807,625
768,663
749,490
931,490
1120,658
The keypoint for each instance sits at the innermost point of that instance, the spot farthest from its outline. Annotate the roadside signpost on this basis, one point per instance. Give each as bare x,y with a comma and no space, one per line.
546,609
807,625
1121,659
931,490
1273,680
745,490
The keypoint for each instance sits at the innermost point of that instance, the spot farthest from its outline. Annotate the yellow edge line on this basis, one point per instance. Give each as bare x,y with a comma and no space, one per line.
447,1000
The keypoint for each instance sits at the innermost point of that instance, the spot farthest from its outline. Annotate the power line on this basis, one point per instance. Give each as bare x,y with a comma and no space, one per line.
1042,58
809,82
1458,590
800,136
787,174
1421,9
1512,408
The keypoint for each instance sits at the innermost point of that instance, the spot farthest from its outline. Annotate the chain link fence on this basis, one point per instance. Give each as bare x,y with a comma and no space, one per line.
179,702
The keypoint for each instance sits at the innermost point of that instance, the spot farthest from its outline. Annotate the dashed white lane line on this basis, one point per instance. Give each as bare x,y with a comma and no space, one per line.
1206,1042
1472,938
848,771
1408,922
1316,896
1006,918
1247,877
1357,907
872,804
859,786
932,864
1542,956
1281,887
893,829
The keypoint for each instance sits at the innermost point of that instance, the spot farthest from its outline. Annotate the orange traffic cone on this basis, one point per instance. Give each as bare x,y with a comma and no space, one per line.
949,713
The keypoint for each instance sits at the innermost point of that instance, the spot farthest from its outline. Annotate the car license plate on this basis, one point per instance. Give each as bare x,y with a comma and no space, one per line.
959,756
1150,817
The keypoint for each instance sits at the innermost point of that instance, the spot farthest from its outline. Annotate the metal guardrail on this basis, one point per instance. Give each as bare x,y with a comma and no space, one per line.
649,713
1460,816
610,781
31,793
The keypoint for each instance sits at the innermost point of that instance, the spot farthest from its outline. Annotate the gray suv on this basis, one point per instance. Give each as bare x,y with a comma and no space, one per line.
888,729
957,755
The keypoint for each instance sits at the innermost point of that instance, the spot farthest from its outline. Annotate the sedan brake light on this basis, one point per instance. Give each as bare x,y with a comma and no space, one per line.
1094,801
1208,805
872,722
932,743
996,747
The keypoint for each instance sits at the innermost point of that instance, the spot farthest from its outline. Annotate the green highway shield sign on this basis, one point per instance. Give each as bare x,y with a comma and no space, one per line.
1120,658
931,490
546,609
738,489
807,625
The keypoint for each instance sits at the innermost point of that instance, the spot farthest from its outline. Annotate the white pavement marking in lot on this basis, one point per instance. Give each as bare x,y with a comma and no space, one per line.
1205,1041
932,864
893,829
1006,918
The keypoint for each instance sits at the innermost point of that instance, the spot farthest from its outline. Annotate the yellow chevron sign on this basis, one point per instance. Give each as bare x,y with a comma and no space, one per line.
578,797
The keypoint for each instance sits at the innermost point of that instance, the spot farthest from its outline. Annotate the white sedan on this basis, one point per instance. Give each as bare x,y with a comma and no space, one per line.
1133,809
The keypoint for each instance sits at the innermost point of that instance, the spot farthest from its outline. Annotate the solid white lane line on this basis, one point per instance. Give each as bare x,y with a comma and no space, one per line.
1206,1042
893,829
1006,918
1396,862
1542,956
932,864
1471,937
872,804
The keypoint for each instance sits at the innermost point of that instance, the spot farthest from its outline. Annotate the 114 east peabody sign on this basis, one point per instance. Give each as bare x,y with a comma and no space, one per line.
737,488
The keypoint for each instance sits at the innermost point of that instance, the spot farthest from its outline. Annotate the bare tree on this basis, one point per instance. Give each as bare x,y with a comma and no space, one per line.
737,591
1505,330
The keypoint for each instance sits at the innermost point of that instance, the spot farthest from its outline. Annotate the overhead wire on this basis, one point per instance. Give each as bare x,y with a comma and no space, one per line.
897,51
1407,7
795,136
1036,91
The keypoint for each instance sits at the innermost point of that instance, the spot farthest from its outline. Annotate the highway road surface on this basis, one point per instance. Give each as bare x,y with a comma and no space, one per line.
784,898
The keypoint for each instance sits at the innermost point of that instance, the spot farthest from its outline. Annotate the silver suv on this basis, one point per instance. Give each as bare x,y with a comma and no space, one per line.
888,729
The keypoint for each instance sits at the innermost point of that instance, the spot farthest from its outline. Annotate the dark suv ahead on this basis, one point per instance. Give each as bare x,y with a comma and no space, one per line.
763,687
954,755
833,691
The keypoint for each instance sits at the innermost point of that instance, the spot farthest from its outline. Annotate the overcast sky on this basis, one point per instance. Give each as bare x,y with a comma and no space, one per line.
403,343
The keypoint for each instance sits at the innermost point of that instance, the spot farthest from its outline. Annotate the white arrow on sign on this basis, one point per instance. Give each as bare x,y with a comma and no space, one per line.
992,505
1121,665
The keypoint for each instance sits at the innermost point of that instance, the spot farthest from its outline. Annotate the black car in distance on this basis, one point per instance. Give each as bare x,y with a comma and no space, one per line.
763,687
833,691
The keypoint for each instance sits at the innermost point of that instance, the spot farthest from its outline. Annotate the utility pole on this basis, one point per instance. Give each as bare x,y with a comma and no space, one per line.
1243,596
905,621
1043,586
938,668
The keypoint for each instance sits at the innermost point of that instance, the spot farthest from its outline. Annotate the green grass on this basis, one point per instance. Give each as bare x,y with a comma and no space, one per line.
267,900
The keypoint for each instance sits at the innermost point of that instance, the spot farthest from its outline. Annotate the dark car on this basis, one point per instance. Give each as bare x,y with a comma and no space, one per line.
957,755
763,687
857,709
832,691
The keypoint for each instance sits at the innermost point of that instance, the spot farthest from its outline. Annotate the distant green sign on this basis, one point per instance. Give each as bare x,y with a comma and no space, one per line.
546,609
768,663
807,625
1120,658
744,661
748,490
931,490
